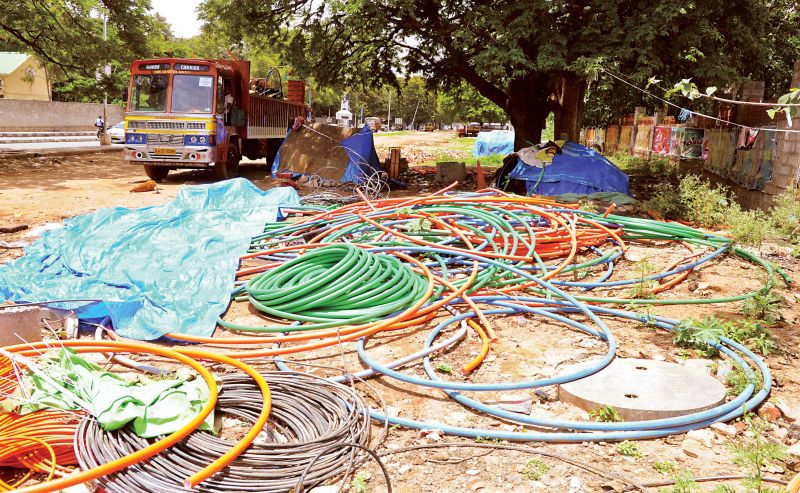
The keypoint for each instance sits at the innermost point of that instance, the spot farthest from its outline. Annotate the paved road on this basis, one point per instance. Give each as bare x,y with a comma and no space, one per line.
49,146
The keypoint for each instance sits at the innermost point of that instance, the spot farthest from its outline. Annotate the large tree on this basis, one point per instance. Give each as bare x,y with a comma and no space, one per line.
529,58
67,36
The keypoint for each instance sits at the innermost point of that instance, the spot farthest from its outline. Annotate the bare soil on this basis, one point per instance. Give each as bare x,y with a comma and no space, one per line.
42,190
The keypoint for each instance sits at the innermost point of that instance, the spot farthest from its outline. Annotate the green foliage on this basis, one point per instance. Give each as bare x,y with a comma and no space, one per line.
755,452
702,335
665,467
698,201
463,103
665,201
527,59
359,483
535,470
763,307
629,449
706,205
606,414
785,214
684,483
750,227
644,288
68,39
737,380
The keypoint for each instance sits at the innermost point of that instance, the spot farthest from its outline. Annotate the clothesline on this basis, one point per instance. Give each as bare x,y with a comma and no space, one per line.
645,91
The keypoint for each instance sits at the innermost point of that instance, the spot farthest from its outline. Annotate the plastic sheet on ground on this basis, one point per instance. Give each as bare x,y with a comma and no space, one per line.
154,407
577,169
168,268
494,142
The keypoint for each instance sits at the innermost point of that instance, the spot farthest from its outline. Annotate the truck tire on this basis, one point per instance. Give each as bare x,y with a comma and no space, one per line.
156,173
230,168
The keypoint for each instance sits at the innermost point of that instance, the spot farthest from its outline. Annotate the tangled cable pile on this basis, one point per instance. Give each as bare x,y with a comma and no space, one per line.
309,415
349,274
499,255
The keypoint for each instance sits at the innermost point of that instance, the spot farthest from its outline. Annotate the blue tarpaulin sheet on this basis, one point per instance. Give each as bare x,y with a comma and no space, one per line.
362,159
494,142
168,268
577,169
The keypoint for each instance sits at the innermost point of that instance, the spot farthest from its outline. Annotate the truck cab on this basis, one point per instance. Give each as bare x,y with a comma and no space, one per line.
187,113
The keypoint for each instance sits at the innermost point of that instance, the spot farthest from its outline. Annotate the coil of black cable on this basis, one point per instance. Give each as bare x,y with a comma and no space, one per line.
309,414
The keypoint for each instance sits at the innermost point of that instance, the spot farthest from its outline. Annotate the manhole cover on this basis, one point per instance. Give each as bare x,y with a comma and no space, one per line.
643,389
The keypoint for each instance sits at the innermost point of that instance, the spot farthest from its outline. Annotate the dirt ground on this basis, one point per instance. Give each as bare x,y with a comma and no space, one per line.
37,191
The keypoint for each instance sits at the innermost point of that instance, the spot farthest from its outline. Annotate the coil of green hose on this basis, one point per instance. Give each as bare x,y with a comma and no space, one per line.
333,286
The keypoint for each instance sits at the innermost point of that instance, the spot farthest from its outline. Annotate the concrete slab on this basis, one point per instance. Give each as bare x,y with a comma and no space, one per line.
20,324
448,172
641,389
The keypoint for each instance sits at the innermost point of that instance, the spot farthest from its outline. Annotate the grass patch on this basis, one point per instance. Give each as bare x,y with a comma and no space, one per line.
535,470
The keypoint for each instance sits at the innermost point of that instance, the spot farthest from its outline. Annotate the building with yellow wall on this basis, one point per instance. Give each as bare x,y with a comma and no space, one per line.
23,77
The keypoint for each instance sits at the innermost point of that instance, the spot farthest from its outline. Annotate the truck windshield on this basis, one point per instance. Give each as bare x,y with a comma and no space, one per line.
149,93
192,94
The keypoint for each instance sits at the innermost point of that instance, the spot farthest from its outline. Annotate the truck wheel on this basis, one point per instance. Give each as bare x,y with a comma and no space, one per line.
156,173
230,168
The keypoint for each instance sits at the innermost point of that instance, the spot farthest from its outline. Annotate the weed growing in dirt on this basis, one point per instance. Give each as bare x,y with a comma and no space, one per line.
487,440
749,228
700,335
754,453
785,214
644,288
706,205
629,449
703,335
665,467
763,307
665,201
535,470
605,414
633,165
684,483
444,368
359,483
737,381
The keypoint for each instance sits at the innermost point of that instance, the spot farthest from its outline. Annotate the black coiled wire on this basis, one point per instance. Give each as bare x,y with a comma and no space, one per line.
309,415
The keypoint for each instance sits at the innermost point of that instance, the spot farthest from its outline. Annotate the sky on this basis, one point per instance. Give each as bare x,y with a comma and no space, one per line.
181,15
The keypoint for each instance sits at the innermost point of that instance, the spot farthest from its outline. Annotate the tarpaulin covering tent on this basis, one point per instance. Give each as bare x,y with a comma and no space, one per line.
335,153
168,268
577,169
494,142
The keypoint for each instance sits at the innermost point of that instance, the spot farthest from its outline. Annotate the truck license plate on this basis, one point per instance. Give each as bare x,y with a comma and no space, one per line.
165,150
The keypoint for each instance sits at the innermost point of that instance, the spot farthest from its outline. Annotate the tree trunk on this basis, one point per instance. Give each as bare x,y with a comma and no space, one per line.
569,108
527,109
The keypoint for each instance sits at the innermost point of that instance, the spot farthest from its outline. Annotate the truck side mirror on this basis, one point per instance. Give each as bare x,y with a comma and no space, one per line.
125,94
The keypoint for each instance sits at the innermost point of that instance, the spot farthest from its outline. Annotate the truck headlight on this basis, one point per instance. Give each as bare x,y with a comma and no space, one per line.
135,138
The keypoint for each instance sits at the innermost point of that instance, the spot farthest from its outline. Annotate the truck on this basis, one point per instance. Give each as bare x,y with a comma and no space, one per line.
201,114
374,123
472,129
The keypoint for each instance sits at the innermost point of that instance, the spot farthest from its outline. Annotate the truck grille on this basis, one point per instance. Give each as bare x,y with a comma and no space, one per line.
166,125
162,139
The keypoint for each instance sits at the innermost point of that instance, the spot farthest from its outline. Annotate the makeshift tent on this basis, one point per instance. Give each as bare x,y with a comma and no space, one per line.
169,268
335,153
577,169
494,142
